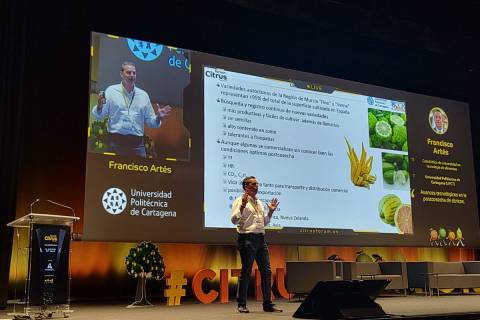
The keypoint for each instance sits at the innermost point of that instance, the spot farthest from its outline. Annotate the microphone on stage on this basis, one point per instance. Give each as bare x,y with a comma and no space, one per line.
31,204
62,205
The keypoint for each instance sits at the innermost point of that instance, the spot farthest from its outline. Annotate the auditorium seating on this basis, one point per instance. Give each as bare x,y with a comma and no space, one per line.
395,271
441,275
303,275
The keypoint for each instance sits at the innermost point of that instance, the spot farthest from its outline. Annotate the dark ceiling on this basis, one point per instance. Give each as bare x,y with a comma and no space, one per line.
449,28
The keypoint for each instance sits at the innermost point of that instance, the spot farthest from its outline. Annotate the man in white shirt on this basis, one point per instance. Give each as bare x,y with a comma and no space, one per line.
128,108
249,216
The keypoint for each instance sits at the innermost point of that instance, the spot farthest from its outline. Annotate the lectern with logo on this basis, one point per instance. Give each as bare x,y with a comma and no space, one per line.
47,286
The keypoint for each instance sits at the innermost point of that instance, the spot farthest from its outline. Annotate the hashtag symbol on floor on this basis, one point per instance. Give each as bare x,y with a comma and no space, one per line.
175,291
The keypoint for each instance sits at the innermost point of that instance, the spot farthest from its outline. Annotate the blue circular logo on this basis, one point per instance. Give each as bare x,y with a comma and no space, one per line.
143,50
370,100
114,201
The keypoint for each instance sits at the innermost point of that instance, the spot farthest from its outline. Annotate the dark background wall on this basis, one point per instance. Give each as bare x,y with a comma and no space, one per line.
424,47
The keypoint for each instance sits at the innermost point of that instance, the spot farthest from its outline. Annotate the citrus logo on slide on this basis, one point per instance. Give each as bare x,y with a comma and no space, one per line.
216,75
143,50
114,201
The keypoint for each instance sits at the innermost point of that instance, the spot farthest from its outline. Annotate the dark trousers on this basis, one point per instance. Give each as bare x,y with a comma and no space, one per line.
253,247
126,145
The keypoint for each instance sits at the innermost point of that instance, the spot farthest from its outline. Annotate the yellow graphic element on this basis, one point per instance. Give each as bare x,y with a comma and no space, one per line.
175,291
447,290
177,50
412,193
190,143
273,228
52,237
360,169
315,87
170,159
88,132
109,153
91,51
112,36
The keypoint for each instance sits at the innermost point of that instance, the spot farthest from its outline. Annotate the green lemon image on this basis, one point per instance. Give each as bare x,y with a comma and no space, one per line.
389,176
387,208
401,177
383,129
386,166
442,233
397,120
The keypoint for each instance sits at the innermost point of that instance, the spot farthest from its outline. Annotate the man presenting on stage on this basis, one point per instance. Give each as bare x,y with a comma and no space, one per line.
248,214
128,108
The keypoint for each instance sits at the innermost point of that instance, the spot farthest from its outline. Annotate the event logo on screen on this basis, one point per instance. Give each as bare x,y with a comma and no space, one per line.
114,201
143,50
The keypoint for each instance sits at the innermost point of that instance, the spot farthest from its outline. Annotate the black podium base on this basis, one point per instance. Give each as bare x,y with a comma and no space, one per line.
343,300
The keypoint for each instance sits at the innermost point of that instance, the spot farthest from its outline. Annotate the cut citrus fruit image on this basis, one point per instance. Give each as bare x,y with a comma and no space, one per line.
383,129
403,219
387,130
387,207
397,120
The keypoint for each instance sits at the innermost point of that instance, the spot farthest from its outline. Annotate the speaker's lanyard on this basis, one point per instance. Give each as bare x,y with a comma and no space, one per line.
125,98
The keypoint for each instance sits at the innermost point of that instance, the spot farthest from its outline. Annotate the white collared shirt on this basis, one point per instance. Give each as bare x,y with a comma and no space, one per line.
252,219
127,112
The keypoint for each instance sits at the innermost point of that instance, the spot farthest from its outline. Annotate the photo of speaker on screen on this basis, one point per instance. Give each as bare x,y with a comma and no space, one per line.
136,99
128,109
438,120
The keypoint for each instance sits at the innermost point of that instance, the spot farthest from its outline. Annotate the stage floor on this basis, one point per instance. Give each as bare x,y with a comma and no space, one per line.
398,305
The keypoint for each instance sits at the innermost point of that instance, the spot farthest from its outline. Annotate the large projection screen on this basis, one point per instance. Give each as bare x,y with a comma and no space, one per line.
351,164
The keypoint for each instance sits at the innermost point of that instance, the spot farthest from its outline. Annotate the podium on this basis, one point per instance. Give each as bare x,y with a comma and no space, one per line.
346,299
47,286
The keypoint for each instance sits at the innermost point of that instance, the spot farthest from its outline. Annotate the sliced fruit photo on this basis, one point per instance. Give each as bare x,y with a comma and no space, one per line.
394,213
387,207
403,219
395,171
387,130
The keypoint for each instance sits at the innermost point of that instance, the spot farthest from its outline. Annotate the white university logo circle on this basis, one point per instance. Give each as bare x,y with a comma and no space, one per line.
114,201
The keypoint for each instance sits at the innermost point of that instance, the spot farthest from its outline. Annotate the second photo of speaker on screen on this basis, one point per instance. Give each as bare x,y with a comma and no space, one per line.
136,99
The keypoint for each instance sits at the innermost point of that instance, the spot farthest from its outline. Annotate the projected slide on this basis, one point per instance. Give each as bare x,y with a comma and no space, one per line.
312,149
172,132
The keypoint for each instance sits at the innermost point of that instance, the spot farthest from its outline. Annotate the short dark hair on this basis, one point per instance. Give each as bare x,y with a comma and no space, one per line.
127,63
245,181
